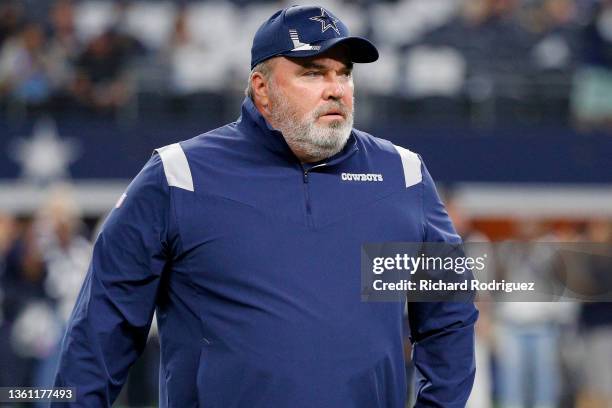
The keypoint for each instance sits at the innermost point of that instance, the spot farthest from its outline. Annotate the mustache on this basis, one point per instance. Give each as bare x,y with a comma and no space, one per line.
335,106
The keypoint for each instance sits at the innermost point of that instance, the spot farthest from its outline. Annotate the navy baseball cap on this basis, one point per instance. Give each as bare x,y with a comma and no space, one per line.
304,31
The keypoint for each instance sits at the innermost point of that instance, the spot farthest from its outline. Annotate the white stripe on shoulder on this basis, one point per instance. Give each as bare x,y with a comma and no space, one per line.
412,166
176,167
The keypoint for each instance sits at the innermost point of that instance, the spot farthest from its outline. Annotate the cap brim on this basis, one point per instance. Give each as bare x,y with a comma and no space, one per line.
360,50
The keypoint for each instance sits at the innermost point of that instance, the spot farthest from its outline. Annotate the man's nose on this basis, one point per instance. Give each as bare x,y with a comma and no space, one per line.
334,89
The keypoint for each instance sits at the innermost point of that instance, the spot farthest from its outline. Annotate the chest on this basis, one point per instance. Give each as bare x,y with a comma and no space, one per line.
277,217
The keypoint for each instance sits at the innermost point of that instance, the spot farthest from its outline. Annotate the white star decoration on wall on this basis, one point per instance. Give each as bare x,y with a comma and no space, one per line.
45,157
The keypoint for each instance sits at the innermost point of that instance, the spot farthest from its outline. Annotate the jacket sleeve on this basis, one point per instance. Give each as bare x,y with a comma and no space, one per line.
442,332
110,322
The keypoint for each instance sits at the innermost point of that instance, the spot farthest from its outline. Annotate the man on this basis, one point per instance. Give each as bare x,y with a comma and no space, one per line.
246,241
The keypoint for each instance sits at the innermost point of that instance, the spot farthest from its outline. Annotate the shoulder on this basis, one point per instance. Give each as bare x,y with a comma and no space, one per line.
175,165
376,145
410,162
178,158
210,140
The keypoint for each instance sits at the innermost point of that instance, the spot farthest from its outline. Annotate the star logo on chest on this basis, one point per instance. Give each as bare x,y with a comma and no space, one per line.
326,21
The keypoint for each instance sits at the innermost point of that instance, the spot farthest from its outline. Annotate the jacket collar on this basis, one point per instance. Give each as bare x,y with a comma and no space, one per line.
257,128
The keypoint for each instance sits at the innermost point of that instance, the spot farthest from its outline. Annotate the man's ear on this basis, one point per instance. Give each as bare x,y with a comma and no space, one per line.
260,90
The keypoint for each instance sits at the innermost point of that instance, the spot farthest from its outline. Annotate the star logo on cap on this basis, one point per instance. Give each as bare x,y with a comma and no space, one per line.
326,21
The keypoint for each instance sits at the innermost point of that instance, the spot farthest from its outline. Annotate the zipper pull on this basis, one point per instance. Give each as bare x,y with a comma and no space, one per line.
305,176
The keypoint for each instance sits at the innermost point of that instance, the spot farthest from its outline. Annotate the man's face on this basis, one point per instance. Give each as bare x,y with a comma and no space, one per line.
311,103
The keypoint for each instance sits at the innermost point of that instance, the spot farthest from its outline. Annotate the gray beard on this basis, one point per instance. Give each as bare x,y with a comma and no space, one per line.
314,142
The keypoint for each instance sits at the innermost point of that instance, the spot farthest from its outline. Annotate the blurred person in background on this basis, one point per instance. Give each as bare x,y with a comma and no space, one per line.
62,26
11,20
102,82
595,323
482,394
570,238
37,63
239,241
592,92
7,238
27,310
191,63
7,235
63,49
194,77
490,37
554,55
489,34
24,69
65,250
66,254
44,267
554,23
528,333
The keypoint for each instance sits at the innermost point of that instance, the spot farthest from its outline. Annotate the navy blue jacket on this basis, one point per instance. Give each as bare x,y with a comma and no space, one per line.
252,262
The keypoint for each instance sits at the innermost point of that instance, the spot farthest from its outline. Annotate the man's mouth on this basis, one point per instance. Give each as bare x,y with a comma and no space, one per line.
333,114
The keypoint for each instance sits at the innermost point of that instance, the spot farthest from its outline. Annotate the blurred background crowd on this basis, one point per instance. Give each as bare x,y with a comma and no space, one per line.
480,61
509,101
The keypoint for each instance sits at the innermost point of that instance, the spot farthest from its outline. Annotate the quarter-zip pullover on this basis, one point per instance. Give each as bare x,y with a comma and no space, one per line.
252,262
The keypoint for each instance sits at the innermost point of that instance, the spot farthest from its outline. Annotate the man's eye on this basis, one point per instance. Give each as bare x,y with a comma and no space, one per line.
312,73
